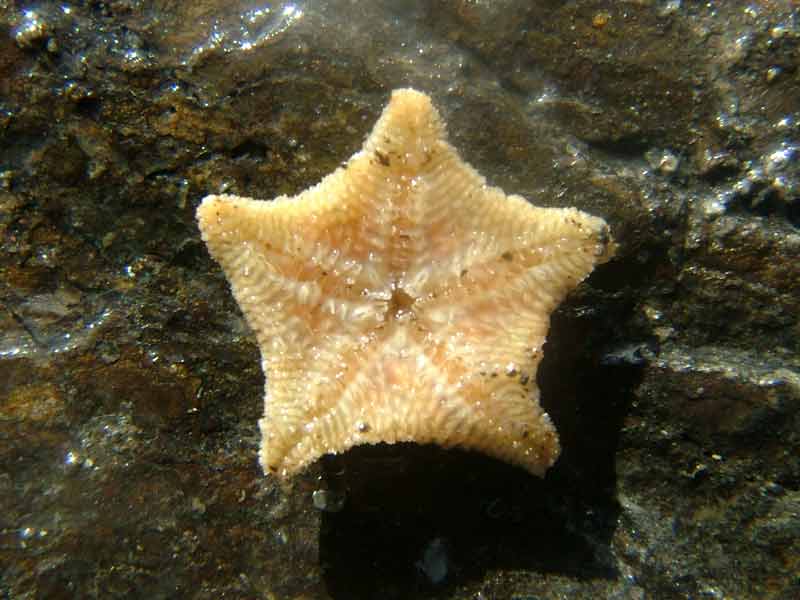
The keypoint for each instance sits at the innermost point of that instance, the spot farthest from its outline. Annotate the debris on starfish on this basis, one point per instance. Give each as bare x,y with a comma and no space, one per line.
402,299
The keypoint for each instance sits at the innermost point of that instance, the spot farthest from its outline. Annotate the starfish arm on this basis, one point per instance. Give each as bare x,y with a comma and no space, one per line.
498,308
462,225
404,393
488,268
335,237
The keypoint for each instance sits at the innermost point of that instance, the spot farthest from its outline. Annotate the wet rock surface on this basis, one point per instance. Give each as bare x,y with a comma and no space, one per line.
130,386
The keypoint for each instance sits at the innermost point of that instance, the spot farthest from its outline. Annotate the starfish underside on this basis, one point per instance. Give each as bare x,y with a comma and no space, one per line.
402,299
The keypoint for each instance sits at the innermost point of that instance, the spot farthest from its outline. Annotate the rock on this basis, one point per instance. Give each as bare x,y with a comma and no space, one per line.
130,387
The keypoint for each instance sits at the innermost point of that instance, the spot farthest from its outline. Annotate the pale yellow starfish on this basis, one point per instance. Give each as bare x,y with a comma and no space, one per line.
402,299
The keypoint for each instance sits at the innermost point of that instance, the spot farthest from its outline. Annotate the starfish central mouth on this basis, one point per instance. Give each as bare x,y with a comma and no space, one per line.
400,306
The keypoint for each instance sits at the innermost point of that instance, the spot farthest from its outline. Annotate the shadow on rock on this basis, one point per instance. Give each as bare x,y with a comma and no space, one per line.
417,521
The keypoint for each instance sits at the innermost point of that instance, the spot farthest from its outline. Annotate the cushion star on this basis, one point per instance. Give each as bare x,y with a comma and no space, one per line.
402,299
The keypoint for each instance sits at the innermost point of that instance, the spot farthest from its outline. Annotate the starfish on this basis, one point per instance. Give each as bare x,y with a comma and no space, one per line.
402,299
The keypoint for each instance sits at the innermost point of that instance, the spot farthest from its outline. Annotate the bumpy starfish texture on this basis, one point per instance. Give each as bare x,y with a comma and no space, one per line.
402,299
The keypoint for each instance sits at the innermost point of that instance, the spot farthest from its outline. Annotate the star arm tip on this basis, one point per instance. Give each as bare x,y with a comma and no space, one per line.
407,131
215,210
213,202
